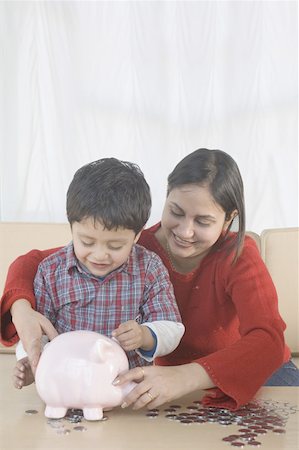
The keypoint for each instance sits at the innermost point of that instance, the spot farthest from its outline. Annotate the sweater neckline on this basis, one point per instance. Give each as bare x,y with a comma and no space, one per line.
162,252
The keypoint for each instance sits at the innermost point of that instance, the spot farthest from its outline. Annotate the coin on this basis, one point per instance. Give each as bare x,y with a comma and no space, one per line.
152,415
231,437
30,412
55,424
80,428
63,431
171,416
185,421
103,419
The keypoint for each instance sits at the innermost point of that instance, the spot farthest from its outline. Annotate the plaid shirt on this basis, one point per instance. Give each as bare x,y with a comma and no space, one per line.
73,299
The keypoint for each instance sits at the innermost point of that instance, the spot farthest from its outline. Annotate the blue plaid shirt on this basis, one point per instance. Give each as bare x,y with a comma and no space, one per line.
74,299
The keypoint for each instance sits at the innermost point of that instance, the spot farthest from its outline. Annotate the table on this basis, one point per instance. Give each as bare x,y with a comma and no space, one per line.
126,429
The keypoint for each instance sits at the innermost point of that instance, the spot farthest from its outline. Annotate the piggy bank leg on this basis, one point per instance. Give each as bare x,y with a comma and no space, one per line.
54,412
93,413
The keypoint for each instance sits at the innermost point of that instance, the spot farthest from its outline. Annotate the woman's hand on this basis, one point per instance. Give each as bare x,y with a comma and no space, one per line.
30,326
160,384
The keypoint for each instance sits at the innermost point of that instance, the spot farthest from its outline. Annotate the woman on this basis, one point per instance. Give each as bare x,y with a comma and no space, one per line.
233,341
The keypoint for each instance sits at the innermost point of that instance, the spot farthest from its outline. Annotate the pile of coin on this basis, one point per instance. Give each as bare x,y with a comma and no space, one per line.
253,420
73,416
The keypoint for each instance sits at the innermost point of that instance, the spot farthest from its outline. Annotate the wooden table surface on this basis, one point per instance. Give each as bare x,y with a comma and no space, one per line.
127,429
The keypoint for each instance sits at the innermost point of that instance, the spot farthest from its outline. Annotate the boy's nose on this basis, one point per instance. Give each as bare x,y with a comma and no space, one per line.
100,255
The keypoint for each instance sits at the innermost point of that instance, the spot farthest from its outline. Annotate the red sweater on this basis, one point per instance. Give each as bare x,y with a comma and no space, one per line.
233,327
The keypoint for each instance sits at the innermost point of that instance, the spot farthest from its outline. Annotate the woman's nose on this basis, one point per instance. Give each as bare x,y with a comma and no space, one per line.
186,229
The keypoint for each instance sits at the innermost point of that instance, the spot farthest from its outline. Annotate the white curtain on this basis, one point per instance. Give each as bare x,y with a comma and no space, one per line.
148,81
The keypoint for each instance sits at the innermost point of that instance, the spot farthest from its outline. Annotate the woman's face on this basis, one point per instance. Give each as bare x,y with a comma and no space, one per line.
192,221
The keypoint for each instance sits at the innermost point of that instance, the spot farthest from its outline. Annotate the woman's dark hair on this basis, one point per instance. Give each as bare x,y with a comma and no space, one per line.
111,191
219,172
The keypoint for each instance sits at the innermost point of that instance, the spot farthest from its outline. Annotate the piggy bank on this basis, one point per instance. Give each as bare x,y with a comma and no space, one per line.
76,370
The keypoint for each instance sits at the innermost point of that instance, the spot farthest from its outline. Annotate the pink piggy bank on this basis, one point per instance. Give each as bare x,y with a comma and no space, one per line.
76,370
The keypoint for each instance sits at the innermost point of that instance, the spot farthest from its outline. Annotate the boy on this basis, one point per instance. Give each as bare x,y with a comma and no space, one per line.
102,280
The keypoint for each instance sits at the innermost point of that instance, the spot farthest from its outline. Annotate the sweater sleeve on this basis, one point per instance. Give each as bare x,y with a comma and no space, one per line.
19,285
240,369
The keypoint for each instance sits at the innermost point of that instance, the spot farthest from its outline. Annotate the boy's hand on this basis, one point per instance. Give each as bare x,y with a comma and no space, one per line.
22,374
131,336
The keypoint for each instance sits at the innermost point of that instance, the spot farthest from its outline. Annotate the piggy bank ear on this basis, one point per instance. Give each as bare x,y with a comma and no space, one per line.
102,350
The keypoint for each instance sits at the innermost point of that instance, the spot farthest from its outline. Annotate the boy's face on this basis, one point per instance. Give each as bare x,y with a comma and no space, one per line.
100,250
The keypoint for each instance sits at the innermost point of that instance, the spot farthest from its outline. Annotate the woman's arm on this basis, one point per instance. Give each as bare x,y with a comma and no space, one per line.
19,285
239,369
31,326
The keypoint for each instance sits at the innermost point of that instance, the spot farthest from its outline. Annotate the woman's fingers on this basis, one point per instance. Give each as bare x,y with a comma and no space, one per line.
139,396
137,374
34,351
48,328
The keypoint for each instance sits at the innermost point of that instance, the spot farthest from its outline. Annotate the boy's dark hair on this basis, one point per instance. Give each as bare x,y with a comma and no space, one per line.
112,192
219,172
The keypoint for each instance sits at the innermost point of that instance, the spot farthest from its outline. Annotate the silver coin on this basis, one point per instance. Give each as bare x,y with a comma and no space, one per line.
55,424
104,418
63,431
171,416
199,420
80,428
186,421
74,419
30,412
152,415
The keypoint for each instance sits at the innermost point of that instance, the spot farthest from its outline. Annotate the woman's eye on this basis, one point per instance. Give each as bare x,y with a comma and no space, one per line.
86,244
202,224
176,214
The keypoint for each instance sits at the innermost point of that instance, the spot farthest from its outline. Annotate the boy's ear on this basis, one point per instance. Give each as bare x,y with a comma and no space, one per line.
137,236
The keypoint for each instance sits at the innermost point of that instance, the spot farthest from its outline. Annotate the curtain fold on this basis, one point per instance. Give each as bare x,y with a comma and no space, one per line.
148,82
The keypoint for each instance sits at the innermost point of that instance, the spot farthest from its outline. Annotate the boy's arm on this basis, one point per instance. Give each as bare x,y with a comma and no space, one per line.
160,312
168,335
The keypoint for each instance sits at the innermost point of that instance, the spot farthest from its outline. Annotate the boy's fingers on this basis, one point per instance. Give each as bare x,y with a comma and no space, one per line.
121,331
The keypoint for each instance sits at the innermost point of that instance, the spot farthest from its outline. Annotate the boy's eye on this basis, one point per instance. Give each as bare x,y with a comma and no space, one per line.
87,244
112,247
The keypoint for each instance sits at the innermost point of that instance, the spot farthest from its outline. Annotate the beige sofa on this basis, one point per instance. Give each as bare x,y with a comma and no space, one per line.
278,247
